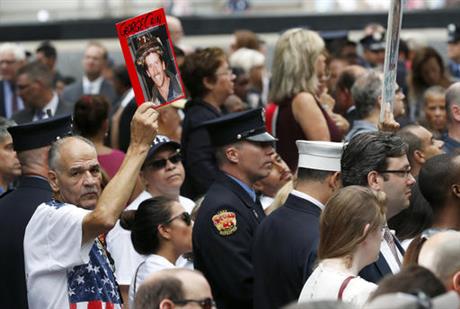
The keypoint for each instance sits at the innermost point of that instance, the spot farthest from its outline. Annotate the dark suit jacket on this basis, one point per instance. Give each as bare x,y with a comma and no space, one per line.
2,100
377,270
198,153
225,258
16,209
74,91
286,240
27,115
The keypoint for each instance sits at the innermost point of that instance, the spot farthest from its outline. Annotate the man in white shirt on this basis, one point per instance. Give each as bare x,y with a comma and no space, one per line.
378,160
162,174
66,265
35,86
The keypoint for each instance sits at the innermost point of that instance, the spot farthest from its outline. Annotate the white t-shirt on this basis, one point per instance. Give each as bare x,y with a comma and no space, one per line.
324,284
152,263
60,270
121,248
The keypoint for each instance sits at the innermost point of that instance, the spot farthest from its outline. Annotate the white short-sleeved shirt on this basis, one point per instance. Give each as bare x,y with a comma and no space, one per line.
121,248
324,284
152,263
60,270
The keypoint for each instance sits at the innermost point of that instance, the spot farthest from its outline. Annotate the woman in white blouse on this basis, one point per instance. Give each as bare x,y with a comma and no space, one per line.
161,229
351,228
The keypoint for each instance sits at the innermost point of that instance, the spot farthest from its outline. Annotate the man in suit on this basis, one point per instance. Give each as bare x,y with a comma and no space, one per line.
31,142
453,49
378,160
230,213
35,86
289,237
92,82
12,57
10,168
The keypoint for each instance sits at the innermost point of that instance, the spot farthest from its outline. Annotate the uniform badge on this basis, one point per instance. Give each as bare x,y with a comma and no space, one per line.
225,222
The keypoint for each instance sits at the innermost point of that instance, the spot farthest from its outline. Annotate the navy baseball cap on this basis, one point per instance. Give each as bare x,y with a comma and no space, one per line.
159,142
374,42
453,33
234,127
40,133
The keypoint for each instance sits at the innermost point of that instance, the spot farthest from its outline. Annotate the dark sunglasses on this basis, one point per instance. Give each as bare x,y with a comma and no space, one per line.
185,216
159,164
205,303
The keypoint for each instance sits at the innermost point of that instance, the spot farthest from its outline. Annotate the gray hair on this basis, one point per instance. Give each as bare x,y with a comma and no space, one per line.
452,97
54,156
293,69
246,59
366,91
38,71
4,125
18,52
434,91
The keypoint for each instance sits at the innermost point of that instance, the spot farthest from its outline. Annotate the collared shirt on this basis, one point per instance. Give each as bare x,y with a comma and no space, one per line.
450,144
8,96
308,198
51,106
92,87
388,255
127,98
246,188
360,126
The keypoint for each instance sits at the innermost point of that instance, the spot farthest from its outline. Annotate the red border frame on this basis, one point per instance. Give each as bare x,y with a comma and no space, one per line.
132,26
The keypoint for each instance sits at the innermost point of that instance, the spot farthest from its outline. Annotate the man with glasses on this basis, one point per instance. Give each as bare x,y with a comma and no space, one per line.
12,57
66,265
230,213
378,160
162,174
171,288
35,86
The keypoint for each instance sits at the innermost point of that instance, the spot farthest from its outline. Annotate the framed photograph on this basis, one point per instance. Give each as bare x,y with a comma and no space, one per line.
150,58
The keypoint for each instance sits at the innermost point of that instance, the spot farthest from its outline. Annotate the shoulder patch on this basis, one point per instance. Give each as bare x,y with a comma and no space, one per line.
225,222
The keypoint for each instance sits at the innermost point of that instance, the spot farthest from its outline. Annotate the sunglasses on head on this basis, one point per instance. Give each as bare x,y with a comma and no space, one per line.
205,303
185,216
161,163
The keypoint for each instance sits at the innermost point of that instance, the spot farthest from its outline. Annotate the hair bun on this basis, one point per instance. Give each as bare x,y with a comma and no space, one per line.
127,219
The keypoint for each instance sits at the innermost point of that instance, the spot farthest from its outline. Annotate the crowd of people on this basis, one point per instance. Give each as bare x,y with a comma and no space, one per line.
269,186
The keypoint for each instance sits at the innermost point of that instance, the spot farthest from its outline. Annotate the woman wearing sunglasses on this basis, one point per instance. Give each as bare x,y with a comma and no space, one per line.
161,230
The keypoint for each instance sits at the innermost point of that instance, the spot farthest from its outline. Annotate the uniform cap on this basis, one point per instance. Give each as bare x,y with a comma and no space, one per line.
234,127
40,133
317,155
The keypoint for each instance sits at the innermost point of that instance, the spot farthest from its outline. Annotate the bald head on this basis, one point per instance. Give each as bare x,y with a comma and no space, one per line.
453,103
162,287
440,254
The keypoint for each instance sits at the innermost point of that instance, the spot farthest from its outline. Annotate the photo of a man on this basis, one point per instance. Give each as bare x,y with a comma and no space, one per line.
150,59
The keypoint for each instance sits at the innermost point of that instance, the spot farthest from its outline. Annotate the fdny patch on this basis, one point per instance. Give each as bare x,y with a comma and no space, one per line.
225,222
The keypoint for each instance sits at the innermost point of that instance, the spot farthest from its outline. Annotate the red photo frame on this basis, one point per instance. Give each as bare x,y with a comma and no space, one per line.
150,58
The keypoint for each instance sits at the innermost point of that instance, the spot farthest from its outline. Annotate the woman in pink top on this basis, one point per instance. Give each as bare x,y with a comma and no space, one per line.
91,120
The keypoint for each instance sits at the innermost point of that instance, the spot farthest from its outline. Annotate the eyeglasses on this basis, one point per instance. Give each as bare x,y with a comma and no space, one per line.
226,72
159,164
205,303
185,216
401,173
